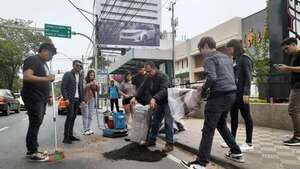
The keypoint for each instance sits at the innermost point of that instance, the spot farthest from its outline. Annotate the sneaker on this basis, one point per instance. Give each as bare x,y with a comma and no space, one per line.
91,132
224,145
38,157
191,165
246,147
294,141
235,157
168,148
44,153
86,133
72,138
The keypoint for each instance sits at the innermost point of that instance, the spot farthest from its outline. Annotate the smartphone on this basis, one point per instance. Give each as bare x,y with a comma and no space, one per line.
277,65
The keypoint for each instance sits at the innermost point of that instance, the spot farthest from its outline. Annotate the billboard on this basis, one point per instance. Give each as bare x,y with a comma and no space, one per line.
128,23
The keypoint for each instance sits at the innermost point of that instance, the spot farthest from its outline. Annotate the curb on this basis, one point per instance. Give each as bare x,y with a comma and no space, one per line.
214,158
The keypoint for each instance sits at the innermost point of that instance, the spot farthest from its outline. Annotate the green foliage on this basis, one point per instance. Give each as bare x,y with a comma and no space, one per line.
15,44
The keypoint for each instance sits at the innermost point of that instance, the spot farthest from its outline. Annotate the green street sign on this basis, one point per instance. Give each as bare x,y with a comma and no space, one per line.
57,31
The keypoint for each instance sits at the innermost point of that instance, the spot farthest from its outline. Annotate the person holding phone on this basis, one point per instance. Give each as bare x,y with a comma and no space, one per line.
289,47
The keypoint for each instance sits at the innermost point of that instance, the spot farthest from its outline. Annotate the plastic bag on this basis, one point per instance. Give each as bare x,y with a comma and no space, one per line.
140,123
183,102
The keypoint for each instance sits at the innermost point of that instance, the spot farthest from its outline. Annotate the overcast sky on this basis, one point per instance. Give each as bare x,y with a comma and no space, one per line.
195,16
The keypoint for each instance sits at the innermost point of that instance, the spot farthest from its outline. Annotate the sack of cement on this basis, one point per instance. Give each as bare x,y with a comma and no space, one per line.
183,102
140,123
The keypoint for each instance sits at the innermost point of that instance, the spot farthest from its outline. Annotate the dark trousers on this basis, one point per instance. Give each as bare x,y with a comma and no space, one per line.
215,113
116,102
71,116
36,111
245,111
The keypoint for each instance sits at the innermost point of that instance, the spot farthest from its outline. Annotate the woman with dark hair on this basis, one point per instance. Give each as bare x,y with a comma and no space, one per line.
91,88
127,90
243,74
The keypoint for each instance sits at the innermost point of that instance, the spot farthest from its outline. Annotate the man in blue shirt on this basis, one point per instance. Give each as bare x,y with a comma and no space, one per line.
113,93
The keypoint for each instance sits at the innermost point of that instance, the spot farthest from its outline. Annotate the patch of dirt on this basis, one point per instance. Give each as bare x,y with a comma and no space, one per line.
135,152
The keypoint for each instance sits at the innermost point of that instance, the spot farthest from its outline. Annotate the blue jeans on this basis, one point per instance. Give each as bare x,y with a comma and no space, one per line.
159,113
87,112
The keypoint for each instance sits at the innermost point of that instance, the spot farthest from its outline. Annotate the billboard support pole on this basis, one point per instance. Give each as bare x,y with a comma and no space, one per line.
173,41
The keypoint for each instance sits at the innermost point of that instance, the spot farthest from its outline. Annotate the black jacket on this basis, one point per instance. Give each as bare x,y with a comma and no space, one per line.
243,74
68,86
154,87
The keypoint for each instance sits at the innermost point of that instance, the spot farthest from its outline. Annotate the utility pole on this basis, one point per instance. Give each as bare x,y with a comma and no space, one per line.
173,24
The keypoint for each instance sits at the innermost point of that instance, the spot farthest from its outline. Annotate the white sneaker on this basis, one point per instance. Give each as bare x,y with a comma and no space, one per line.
91,132
86,133
224,145
246,147
191,165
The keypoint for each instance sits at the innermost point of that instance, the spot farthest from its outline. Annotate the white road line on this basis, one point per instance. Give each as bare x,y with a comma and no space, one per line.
173,158
4,128
26,118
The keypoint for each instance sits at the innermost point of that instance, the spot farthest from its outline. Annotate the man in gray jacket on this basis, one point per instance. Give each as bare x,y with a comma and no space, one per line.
219,89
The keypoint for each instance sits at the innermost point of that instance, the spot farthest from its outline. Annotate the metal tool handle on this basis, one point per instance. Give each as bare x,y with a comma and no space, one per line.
53,110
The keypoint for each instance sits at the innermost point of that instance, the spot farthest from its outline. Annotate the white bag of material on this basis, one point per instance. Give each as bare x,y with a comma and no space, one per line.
183,102
140,123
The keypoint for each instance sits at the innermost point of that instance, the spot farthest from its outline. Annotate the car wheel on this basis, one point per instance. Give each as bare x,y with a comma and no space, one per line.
6,112
18,110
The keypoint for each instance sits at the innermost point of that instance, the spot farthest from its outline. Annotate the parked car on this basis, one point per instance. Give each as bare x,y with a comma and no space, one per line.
19,98
8,102
139,34
63,108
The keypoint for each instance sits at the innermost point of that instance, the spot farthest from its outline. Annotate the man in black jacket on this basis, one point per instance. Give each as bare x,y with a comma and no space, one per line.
36,94
157,84
72,91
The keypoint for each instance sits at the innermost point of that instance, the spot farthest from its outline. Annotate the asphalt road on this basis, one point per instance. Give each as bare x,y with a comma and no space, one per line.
86,154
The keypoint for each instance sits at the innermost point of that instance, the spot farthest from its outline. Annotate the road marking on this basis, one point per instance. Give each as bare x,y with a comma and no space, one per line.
4,128
173,158
26,118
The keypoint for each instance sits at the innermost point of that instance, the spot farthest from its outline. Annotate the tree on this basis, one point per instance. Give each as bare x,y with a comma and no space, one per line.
260,55
15,45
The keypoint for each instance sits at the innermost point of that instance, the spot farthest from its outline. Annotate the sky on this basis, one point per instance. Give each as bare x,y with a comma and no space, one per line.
194,16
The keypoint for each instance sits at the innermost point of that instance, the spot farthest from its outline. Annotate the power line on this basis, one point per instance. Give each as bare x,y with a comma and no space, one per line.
79,10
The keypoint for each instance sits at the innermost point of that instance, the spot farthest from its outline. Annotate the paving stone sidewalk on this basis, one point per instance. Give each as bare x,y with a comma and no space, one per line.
268,153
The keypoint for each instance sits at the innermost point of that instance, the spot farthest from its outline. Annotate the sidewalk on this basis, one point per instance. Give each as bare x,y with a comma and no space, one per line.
268,153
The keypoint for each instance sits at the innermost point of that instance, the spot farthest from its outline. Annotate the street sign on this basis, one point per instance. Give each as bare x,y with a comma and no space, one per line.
57,31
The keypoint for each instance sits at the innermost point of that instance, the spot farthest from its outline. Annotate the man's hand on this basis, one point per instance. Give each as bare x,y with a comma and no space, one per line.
283,68
82,104
50,101
152,103
50,78
67,102
246,99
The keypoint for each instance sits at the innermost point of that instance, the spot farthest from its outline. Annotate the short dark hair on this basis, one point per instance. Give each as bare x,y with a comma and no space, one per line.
151,64
47,46
211,43
77,61
140,65
237,46
289,41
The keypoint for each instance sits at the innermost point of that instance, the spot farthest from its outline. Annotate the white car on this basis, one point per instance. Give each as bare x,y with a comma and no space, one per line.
19,98
140,34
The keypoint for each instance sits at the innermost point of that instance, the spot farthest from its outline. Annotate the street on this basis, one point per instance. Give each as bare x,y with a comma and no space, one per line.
91,152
